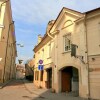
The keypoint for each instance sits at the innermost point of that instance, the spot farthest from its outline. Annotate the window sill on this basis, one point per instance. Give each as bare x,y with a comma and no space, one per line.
66,52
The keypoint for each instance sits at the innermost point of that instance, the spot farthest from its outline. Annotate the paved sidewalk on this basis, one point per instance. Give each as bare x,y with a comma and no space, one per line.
4,84
45,94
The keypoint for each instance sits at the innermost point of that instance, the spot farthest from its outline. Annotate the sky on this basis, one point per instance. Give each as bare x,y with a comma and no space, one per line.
32,16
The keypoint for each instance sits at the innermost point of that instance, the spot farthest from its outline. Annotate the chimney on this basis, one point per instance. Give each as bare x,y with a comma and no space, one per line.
39,38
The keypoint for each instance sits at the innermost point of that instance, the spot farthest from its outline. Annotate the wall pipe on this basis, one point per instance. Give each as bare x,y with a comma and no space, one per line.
11,64
87,62
49,34
6,50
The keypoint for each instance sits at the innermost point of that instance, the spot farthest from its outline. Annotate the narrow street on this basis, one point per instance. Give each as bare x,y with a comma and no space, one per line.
24,90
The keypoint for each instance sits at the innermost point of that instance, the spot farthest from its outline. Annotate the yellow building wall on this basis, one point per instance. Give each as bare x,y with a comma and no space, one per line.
7,65
93,36
63,59
87,38
44,53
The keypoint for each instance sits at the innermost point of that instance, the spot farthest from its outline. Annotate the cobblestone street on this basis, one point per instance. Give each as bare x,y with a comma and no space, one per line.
24,90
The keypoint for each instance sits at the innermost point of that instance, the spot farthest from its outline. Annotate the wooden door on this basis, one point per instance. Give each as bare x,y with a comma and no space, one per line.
50,78
49,82
66,82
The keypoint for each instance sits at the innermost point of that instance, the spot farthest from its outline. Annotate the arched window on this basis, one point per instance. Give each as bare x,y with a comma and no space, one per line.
67,24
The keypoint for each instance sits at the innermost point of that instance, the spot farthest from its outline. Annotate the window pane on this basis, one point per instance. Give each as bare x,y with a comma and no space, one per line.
67,42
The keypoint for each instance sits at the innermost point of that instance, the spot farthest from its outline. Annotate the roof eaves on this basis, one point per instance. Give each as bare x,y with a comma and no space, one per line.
92,10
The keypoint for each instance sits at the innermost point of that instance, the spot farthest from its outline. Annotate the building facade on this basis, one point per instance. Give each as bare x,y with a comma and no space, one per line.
29,70
7,43
42,52
74,51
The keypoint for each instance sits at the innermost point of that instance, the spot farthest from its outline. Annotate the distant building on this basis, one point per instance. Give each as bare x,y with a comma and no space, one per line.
70,52
7,43
20,71
29,70
43,52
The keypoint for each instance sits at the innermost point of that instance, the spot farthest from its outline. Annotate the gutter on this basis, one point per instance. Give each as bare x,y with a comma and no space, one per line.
6,51
54,32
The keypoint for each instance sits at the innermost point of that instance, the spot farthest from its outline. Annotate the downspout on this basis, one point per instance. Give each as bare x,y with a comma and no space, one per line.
2,4
87,58
6,51
11,64
49,34
11,61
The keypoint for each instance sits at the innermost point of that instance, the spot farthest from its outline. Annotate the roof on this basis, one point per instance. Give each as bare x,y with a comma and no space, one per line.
92,10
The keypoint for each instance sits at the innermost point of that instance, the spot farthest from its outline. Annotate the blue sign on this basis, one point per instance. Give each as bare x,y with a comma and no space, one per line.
40,67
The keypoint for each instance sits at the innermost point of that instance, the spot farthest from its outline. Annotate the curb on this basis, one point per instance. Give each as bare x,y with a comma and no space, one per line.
4,84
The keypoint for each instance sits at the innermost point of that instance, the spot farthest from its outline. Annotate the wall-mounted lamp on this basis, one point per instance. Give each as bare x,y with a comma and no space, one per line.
21,45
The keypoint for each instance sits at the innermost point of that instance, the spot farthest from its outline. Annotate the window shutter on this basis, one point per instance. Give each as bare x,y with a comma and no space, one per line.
73,50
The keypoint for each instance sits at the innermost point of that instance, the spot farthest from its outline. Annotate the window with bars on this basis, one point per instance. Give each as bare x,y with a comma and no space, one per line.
67,42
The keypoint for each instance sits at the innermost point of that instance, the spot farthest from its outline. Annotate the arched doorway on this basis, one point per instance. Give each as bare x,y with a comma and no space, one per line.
69,79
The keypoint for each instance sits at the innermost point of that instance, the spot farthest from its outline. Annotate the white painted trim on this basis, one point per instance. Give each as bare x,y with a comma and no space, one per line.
1,26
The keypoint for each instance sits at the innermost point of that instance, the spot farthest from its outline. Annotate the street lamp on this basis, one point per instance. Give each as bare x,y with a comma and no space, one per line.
21,45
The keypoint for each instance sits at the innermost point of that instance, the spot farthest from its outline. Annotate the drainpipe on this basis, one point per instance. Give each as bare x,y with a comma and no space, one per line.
6,50
2,4
87,61
49,34
11,59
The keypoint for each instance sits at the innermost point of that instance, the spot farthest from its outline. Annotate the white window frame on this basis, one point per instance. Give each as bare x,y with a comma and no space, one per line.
67,42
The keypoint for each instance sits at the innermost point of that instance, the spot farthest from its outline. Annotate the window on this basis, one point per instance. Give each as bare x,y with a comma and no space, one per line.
67,42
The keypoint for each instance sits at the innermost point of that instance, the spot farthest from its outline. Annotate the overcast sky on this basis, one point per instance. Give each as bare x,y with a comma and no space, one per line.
31,18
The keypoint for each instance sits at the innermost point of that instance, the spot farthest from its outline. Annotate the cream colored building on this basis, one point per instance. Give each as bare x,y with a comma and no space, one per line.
70,51
7,43
42,52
